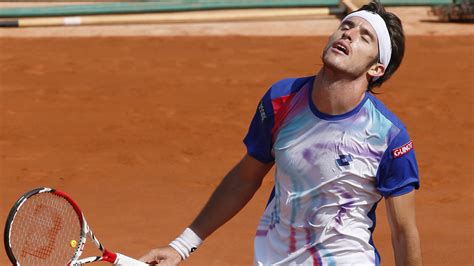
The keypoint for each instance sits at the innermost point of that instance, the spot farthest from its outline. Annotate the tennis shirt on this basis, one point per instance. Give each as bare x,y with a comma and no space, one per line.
331,171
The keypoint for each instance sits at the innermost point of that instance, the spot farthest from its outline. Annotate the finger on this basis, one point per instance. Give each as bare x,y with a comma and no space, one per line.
148,258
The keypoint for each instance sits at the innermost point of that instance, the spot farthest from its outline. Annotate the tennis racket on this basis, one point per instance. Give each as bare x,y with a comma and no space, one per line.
47,227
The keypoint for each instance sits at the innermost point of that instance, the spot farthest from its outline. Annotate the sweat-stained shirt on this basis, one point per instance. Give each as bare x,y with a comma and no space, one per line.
331,171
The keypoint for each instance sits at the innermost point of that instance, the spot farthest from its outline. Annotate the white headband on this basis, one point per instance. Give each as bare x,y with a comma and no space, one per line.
385,46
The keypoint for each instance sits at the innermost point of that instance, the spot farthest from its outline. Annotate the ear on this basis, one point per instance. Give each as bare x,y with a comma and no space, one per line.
376,70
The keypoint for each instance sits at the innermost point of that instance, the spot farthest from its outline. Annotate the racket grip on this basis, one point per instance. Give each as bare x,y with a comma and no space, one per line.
123,260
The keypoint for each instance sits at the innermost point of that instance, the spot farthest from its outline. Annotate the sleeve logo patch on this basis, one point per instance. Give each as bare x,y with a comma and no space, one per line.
400,151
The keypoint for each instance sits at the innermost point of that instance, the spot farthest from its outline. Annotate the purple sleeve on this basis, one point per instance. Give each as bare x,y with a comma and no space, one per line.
398,170
259,137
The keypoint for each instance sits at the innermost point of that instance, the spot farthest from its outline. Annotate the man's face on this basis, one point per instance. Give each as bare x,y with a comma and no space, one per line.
352,48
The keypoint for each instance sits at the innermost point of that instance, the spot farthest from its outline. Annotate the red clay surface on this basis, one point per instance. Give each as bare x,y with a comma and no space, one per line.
140,130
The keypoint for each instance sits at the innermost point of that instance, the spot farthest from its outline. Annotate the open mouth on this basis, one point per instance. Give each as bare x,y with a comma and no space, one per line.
341,47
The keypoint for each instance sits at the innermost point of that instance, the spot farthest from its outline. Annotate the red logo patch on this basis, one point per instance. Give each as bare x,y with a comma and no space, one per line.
400,151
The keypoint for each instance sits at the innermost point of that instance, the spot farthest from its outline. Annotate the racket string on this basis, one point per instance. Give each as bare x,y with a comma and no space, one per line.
44,229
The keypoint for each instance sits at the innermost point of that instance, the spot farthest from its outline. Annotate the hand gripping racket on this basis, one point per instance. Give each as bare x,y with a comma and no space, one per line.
47,227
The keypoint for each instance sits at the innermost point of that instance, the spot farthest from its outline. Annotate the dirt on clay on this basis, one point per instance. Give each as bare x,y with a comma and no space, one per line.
140,122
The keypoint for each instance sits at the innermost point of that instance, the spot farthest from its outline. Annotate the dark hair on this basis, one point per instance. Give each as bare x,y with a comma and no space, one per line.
397,39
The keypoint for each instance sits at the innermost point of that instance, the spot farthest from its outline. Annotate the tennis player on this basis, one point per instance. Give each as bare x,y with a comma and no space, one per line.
337,151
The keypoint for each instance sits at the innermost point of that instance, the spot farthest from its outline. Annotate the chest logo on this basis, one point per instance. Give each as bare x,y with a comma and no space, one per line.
344,160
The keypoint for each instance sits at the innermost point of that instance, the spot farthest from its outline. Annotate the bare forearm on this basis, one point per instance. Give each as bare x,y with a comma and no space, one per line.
407,249
232,194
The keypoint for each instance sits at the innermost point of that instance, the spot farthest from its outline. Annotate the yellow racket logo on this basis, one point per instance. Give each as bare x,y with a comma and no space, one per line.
73,243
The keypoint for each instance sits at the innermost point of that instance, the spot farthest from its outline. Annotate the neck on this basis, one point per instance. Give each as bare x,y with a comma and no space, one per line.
337,94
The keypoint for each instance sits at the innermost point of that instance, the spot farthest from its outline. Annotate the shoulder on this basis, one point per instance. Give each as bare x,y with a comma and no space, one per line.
280,94
288,86
386,113
398,140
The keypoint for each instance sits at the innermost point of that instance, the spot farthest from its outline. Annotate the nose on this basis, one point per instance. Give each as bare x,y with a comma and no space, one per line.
348,34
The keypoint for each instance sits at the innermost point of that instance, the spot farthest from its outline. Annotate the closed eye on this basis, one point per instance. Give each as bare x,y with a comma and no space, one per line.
347,25
366,34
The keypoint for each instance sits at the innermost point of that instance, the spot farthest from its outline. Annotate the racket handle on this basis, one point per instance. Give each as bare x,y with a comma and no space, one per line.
123,260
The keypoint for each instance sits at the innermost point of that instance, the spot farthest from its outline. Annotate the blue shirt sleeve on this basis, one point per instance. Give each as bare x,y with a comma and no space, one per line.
398,170
259,137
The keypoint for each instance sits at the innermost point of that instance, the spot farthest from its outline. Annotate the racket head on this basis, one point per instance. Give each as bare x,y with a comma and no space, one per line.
44,227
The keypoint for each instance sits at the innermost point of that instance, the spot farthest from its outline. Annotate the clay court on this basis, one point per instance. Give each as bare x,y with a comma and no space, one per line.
140,130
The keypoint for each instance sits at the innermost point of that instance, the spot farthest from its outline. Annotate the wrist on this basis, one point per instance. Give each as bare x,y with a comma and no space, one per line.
186,243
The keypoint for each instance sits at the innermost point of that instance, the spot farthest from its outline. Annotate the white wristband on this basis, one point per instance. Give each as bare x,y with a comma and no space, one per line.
186,243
